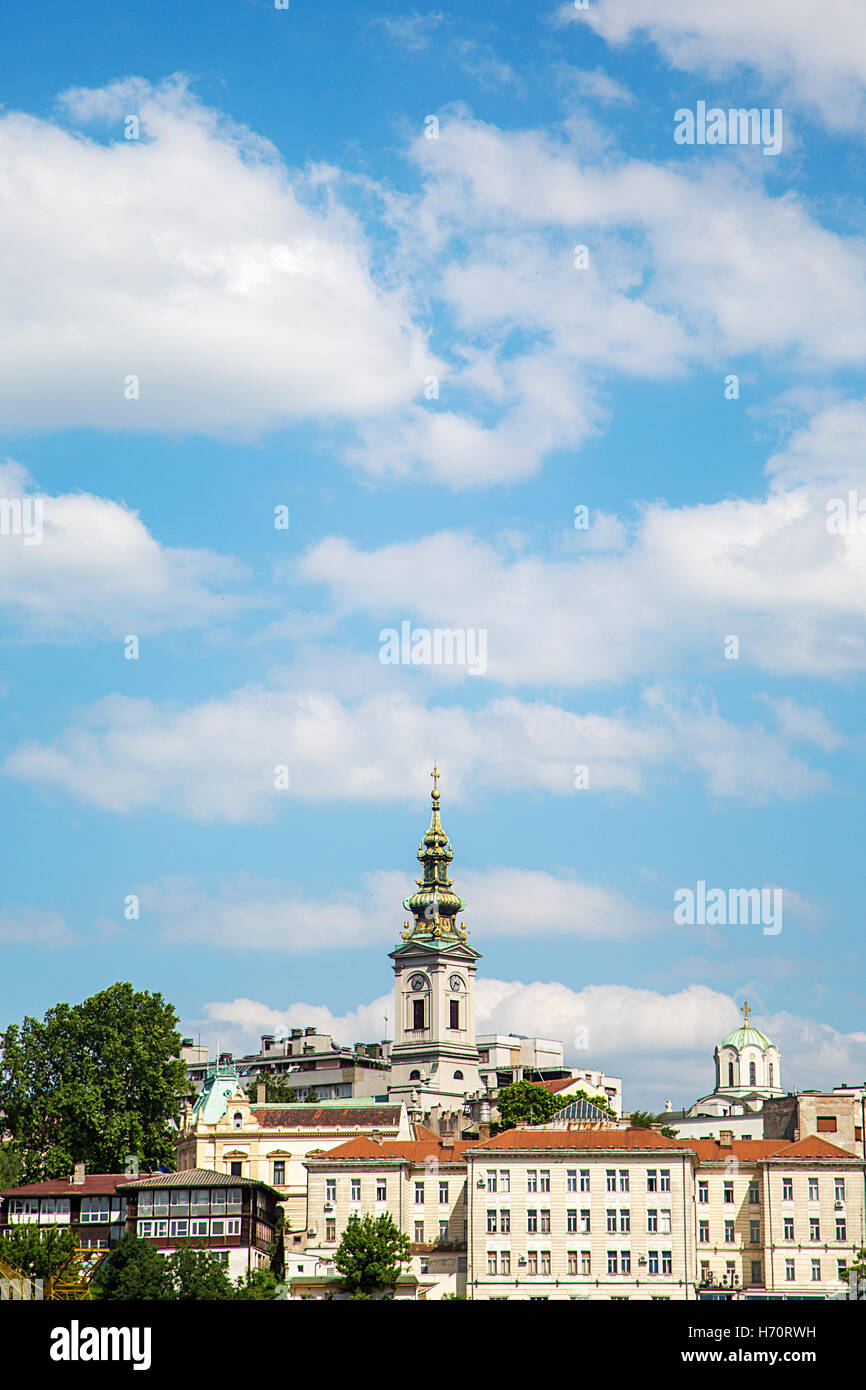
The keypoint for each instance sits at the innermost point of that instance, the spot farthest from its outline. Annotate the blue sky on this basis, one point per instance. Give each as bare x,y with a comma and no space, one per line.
283,261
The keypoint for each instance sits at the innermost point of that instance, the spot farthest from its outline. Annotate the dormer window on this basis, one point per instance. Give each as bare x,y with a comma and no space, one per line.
238,1120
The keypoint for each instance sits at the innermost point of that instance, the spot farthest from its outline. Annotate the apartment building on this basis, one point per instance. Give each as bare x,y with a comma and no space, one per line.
572,1213
232,1218
421,1183
91,1205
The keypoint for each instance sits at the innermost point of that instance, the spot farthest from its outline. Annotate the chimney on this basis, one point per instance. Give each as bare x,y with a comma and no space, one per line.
376,1136
78,1175
261,1093
726,1138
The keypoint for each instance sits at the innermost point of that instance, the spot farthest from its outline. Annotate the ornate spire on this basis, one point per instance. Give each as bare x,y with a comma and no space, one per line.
434,907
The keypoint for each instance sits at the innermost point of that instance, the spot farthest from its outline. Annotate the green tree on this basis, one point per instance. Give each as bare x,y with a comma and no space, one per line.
642,1119
10,1166
199,1275
36,1252
93,1083
528,1103
134,1271
259,1285
371,1255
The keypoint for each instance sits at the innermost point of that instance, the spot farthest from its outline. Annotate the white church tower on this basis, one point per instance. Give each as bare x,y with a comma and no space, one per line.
434,1058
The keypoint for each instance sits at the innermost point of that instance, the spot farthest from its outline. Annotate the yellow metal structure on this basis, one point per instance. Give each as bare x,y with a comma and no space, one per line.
70,1282
17,1283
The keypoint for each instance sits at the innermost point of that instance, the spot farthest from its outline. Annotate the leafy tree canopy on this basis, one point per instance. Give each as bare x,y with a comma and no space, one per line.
527,1103
36,1253
93,1083
136,1270
371,1255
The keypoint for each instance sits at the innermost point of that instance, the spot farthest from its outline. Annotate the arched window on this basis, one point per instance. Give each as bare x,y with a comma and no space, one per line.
772,1082
730,1073
238,1120
753,1074
458,1076
414,1076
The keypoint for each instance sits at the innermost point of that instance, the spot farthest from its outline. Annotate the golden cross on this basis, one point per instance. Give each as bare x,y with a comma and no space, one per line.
435,774
745,1010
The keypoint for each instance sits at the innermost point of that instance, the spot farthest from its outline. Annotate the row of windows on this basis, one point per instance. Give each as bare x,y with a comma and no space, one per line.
538,1262
658,1220
92,1208
841,1227
181,1202
578,1180
184,1229
382,1191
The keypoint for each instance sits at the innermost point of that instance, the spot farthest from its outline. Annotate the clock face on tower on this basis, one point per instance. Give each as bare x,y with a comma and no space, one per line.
418,982
456,983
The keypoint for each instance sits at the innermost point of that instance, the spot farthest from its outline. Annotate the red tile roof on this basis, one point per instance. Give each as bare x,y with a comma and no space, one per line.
561,1083
540,1137
754,1150
326,1117
414,1150
94,1184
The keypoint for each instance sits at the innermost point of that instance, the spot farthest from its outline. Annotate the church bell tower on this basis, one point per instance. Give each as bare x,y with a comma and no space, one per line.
434,1058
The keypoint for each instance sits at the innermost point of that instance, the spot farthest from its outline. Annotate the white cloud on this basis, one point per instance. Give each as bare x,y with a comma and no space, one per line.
217,761
238,292
96,569
413,31
660,1044
821,64
35,927
599,86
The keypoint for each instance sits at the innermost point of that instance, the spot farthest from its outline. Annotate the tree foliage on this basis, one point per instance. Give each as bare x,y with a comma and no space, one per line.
36,1252
136,1270
371,1255
93,1082
528,1103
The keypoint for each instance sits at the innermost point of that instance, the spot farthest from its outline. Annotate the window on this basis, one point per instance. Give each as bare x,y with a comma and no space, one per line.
789,1271
145,1229
504,1262
666,1262
816,1270
754,1232
330,1230
532,1220
704,1232
772,1082
571,1181
756,1271
531,1180
838,1189
840,1228
730,1073
813,1189
703,1192
355,1190
454,1013
504,1180
728,1192
788,1228
652,1220
233,1226
179,1230
238,1120
610,1180
458,1076
826,1124
584,1179
279,1172
611,1220
491,1221
787,1189
651,1180
625,1222
236,1169
532,1261
665,1180
814,1228
419,1194
753,1074
612,1266
505,1221
443,1192
419,1232
754,1194
418,1016
545,1262
381,1190
584,1222
625,1262
652,1261
571,1219
95,1209
492,1264
199,1226
491,1179
586,1262
544,1180
217,1227
414,1076
729,1232
572,1261
623,1180
545,1222
443,1230
330,1189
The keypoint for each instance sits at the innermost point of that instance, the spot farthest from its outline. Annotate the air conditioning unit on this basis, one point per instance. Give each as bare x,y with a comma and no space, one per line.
839,1206
312,1231
641,1259
329,1206
480,1183
522,1260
